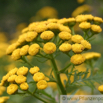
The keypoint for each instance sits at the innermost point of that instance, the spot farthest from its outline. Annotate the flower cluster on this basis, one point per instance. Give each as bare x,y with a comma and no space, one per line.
38,77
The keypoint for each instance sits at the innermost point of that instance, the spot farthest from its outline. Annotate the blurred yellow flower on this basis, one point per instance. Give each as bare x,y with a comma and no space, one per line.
24,86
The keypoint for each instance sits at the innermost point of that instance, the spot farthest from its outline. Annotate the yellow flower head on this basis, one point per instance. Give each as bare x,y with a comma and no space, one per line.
34,70
42,84
24,86
22,38
89,17
40,27
77,48
49,48
96,28
77,59
11,48
47,35
16,54
80,18
64,35
25,30
84,25
2,89
22,71
38,76
12,88
64,28
4,78
53,20
34,49
65,47
98,20
100,88
76,38
20,79
12,78
91,55
13,71
86,44
30,36
80,1
4,99
24,50
53,26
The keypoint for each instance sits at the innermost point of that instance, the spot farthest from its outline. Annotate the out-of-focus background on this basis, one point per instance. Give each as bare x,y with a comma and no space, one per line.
17,14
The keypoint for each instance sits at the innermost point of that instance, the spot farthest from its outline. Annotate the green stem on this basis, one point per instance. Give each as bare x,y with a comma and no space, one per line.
72,30
57,76
61,71
90,36
41,99
24,58
51,79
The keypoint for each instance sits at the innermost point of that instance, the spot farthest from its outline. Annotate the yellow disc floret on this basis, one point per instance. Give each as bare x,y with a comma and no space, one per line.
77,59
34,70
98,20
76,38
20,79
42,84
49,48
31,35
38,76
96,28
22,71
65,47
24,50
13,71
16,54
100,88
86,44
12,88
47,35
64,35
84,25
12,78
24,86
77,48
34,49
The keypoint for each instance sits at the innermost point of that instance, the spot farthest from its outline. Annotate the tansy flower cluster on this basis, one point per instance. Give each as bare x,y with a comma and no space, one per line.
38,77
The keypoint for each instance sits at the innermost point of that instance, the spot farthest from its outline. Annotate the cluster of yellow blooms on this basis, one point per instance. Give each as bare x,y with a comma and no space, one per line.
17,77
41,36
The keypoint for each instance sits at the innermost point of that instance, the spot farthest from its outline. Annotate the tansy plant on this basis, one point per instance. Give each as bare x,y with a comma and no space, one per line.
46,39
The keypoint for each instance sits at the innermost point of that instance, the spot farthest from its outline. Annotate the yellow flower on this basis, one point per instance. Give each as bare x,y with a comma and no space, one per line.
77,59
24,50
20,79
80,18
53,20
21,39
4,78
22,71
47,35
77,38
2,89
96,28
12,88
91,55
77,48
98,20
12,78
24,86
34,70
86,44
64,28
84,25
13,71
49,48
38,76
4,99
11,48
64,35
34,49
89,17
16,54
100,88
65,47
30,36
40,27
53,26
25,30
42,84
